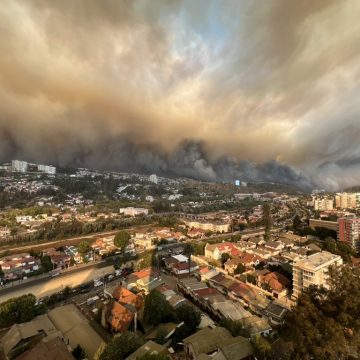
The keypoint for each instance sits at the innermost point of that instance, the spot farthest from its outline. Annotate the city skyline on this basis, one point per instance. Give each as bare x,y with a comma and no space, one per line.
215,91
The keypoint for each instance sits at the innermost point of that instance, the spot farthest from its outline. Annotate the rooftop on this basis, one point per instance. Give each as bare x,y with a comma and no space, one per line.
318,260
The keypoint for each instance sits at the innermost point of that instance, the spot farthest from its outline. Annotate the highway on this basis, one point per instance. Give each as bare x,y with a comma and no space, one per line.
45,285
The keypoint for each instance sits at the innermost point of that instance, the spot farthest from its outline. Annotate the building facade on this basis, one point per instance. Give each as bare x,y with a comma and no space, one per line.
19,166
313,270
346,200
349,232
48,169
323,203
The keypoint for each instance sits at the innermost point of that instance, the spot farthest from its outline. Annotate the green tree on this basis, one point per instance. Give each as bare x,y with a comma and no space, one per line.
224,258
84,248
66,292
46,263
161,335
267,220
325,324
156,308
235,328
17,310
79,353
240,269
251,279
122,239
190,316
120,346
297,223
262,348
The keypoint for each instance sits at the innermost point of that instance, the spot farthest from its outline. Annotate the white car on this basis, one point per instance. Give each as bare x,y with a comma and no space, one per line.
98,283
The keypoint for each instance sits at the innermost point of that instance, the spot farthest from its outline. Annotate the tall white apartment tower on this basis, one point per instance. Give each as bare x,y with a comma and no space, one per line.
153,178
19,166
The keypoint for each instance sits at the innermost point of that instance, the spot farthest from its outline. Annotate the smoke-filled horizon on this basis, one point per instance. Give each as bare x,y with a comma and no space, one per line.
203,89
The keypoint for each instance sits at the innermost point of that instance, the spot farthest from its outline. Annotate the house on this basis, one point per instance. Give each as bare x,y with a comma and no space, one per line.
122,309
54,349
244,245
276,314
196,233
144,280
298,240
150,347
126,297
173,298
214,251
217,343
179,265
221,282
274,245
15,266
248,260
256,240
36,330
119,317
275,283
205,273
189,285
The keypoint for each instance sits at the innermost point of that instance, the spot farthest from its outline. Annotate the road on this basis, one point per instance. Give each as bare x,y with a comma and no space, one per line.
46,286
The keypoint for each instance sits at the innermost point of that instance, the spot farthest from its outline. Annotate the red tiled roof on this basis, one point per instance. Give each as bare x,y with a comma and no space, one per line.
276,281
120,317
124,297
207,292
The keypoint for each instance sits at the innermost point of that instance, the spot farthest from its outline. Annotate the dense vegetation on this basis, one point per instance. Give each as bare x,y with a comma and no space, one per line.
18,310
325,325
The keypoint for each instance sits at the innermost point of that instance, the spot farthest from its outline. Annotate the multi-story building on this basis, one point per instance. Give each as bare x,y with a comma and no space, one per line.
346,200
330,225
323,203
19,166
48,169
313,270
209,226
153,178
131,211
349,232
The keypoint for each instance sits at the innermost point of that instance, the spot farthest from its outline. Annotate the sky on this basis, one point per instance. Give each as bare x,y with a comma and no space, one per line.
215,90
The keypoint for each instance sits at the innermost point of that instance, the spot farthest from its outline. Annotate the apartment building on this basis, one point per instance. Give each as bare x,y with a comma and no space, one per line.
19,166
346,200
48,169
209,226
313,270
349,232
323,203
131,211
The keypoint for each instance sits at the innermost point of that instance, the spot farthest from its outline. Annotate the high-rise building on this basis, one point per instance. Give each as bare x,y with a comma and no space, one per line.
153,178
323,203
349,232
48,169
346,200
313,270
19,166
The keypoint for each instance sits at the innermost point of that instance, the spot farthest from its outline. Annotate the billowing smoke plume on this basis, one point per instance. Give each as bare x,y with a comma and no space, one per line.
205,89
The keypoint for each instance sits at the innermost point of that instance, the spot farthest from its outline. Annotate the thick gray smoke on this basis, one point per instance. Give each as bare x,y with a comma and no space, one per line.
206,89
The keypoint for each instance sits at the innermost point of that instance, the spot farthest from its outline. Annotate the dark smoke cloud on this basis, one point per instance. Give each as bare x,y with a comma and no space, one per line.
204,89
